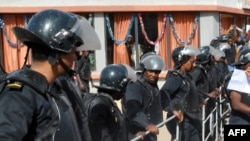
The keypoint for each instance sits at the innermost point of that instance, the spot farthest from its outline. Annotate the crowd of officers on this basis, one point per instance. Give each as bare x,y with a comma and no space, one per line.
41,101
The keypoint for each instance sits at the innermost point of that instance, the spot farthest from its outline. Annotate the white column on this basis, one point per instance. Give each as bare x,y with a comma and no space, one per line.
209,27
100,55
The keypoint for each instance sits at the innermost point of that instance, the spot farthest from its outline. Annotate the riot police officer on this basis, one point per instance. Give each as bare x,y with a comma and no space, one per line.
142,101
105,120
181,90
206,79
202,73
29,110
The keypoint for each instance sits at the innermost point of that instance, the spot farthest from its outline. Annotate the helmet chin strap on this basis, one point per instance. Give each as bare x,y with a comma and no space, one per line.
66,69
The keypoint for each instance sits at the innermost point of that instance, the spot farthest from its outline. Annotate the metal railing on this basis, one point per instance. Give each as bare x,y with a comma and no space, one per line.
215,120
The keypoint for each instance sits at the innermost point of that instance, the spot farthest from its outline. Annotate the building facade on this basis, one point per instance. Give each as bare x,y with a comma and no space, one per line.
155,25
158,25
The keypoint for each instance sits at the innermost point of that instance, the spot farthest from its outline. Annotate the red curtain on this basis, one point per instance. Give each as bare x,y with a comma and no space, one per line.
13,57
121,25
163,41
184,23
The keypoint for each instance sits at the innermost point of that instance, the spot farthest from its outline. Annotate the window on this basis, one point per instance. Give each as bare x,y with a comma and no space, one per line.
137,44
90,18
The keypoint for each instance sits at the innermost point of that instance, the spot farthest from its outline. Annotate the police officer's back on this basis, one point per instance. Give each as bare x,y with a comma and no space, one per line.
105,120
28,110
202,73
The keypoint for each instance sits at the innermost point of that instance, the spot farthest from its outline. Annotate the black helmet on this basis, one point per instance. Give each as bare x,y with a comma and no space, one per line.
223,38
223,46
115,77
152,61
181,55
56,30
206,52
244,58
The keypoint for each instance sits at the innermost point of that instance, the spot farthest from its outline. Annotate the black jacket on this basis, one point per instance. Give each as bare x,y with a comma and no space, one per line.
183,95
72,122
27,112
105,120
142,105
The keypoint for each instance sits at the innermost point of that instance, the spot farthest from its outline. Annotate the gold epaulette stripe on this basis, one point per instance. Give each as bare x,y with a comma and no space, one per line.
175,73
15,85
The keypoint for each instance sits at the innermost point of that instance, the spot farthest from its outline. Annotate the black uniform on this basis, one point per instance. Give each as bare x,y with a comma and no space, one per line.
3,73
221,64
183,97
28,112
223,68
105,120
73,124
142,106
201,78
204,78
82,67
230,54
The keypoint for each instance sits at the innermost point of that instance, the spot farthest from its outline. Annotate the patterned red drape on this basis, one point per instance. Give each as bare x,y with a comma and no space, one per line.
121,25
13,57
163,42
184,23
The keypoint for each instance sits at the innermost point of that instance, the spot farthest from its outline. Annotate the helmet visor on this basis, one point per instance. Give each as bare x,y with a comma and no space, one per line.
243,59
89,36
217,53
131,73
190,51
224,46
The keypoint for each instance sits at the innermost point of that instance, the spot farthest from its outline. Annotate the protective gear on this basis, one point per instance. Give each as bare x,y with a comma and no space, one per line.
181,54
73,125
244,58
89,36
32,86
116,77
219,54
204,56
206,52
57,30
223,46
223,38
152,61
181,96
141,107
147,54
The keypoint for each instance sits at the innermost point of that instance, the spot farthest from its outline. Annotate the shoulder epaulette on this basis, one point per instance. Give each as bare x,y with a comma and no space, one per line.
174,73
15,85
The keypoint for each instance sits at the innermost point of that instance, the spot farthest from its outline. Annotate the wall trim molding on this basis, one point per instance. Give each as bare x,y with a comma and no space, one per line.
130,8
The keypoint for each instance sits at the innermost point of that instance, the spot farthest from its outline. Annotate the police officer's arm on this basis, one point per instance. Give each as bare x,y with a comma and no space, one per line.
196,75
99,119
16,114
237,104
170,90
134,108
